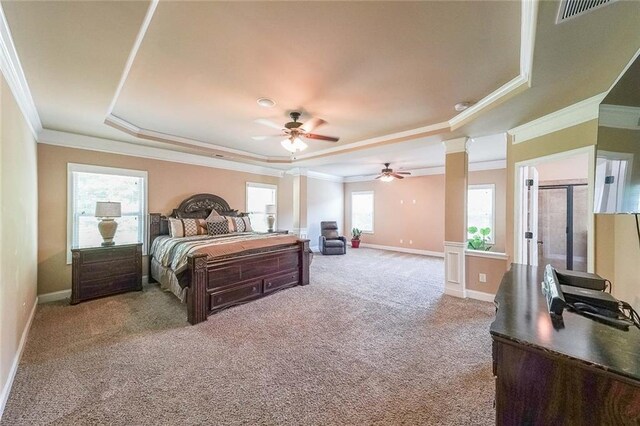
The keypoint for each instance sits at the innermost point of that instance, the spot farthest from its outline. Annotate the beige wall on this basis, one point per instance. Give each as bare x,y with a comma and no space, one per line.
18,231
284,220
325,201
455,197
168,184
572,168
494,269
497,177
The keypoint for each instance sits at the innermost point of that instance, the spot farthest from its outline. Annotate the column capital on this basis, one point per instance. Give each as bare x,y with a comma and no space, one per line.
297,171
456,145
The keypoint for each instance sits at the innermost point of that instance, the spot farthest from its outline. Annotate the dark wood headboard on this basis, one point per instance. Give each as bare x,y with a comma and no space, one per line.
198,206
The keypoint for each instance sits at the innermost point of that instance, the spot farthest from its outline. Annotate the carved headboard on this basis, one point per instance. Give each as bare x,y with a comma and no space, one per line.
196,207
199,207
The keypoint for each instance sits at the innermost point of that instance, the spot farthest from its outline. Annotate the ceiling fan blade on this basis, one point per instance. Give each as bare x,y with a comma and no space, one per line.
321,137
378,177
403,173
312,124
397,176
268,123
263,137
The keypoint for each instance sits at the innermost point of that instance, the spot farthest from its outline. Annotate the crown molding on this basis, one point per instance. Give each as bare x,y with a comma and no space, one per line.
72,140
16,80
453,146
572,115
324,176
619,117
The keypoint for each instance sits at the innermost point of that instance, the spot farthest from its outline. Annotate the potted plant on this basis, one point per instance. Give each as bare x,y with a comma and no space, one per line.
479,238
355,237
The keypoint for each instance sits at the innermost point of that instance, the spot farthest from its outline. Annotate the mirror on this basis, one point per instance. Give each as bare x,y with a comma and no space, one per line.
617,180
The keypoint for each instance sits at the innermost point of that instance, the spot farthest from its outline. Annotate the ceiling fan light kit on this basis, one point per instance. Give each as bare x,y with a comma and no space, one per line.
294,131
387,174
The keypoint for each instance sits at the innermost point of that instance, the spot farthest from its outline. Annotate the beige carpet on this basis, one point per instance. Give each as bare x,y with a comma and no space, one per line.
371,341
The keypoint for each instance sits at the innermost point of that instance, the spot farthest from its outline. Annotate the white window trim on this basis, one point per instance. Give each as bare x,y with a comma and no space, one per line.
491,186
261,185
89,168
373,210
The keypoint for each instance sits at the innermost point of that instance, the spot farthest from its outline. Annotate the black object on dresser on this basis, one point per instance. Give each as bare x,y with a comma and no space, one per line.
568,370
103,271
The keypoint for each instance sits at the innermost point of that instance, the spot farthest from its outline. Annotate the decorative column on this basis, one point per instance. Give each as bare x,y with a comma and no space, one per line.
299,201
455,216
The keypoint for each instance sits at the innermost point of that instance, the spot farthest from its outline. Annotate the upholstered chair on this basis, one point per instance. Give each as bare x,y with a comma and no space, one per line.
330,241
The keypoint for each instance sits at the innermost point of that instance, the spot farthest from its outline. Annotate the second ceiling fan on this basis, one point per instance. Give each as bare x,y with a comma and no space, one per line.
293,131
387,174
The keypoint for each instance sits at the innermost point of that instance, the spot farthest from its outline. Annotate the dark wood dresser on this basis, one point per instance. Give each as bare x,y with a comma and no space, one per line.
575,371
103,271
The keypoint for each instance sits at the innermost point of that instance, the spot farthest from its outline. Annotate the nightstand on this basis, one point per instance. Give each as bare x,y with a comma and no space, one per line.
103,271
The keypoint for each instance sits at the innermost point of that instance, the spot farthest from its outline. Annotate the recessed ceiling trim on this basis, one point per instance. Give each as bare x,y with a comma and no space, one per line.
515,86
16,80
572,115
133,130
134,52
72,140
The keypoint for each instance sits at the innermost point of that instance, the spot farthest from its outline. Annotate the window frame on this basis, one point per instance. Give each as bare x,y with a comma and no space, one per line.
90,168
373,210
261,185
492,187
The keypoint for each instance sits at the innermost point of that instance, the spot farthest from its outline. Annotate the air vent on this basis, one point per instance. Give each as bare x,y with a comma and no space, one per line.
572,8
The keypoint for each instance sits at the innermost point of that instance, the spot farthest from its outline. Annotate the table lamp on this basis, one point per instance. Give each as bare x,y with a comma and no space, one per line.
270,210
106,211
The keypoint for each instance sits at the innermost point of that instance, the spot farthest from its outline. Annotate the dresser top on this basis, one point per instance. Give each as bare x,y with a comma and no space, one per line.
522,317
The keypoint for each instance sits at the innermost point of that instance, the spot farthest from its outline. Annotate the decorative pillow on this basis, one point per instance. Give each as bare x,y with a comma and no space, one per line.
212,215
239,224
218,227
179,228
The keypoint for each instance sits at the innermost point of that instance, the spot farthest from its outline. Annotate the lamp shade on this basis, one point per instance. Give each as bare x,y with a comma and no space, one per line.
270,209
108,209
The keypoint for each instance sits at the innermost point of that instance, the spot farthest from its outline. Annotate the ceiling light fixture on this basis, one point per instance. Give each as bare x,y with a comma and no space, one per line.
386,178
266,102
461,106
293,145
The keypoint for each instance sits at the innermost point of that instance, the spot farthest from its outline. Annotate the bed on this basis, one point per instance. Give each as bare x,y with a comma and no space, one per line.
211,273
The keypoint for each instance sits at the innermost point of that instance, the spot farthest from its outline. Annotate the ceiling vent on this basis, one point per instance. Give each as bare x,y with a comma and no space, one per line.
572,8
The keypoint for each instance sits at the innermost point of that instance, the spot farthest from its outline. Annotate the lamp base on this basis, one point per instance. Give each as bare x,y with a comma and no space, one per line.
107,228
271,220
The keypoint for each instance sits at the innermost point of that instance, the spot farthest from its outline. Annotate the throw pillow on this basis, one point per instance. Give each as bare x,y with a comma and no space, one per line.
218,227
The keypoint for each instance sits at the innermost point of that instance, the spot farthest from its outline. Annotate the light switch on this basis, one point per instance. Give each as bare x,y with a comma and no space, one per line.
410,241
401,241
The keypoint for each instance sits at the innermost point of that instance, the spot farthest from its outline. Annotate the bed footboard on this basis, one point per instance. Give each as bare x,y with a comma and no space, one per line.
221,283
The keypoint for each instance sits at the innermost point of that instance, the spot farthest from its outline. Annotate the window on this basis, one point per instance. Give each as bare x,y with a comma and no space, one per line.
362,210
481,209
259,195
88,184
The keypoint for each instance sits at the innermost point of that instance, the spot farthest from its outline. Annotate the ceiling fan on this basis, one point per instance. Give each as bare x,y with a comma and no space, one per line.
387,174
293,131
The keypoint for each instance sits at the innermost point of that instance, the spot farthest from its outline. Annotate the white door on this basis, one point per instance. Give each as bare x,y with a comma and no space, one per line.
528,229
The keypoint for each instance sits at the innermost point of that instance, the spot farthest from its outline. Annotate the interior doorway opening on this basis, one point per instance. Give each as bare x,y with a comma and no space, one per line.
555,221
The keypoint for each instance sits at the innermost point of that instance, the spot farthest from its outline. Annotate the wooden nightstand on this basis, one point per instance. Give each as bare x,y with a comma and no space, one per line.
103,271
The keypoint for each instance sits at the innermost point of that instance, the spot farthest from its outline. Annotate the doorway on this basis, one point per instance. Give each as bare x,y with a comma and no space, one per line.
554,221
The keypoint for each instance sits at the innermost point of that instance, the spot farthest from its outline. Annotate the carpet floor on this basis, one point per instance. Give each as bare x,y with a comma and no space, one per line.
372,340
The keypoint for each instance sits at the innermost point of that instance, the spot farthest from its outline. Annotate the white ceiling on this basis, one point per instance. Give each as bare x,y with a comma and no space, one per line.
369,68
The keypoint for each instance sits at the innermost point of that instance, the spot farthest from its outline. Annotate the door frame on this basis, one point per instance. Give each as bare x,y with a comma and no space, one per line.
518,207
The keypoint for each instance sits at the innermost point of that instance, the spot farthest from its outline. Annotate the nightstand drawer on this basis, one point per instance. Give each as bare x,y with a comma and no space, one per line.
94,271
107,286
102,255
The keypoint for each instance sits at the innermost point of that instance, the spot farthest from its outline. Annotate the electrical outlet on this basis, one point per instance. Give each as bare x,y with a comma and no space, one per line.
414,201
401,201
410,241
401,241
482,278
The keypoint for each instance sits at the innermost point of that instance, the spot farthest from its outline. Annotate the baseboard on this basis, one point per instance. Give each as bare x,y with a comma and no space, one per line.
480,295
315,249
403,250
4,396
54,296
455,293
66,294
